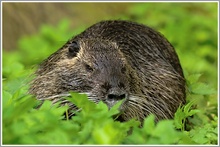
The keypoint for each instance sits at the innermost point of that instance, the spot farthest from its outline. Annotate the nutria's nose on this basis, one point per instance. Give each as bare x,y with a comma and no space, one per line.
116,97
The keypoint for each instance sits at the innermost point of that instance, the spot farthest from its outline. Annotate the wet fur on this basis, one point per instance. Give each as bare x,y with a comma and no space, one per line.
118,57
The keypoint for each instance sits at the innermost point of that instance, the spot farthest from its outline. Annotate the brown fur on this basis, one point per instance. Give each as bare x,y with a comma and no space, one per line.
114,60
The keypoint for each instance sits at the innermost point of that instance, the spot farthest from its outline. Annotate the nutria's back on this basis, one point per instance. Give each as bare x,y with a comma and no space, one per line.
114,60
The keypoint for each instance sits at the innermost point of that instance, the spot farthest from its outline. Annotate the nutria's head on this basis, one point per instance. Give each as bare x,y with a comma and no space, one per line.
95,67
98,69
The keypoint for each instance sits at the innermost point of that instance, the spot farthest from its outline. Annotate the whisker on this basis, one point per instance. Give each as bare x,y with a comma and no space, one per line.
146,107
55,96
70,114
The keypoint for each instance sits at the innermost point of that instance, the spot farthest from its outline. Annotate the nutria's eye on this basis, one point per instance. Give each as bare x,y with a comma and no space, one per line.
88,68
123,70
73,49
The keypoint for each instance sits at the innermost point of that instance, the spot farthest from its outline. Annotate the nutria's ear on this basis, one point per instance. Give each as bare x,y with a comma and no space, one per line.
73,49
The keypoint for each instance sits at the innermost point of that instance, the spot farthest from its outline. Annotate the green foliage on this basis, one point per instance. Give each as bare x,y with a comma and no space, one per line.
191,28
94,124
162,133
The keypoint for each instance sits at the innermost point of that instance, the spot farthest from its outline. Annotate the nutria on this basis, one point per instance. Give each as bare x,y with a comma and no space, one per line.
115,60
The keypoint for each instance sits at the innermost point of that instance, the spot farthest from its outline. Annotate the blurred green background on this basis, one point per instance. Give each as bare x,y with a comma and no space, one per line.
33,31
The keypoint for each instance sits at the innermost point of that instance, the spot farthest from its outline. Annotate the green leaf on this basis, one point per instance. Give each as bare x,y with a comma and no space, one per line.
115,109
149,124
166,132
193,78
82,101
7,97
201,88
178,118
